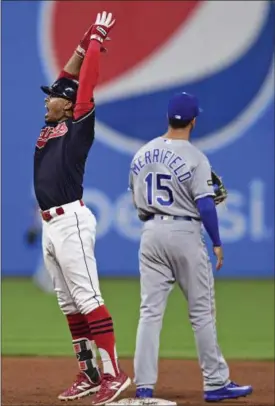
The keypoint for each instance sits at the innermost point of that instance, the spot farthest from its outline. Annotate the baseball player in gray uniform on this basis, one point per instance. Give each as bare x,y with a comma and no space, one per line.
173,193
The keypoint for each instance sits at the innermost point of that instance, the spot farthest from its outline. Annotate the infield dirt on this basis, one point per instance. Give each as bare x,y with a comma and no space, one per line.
38,380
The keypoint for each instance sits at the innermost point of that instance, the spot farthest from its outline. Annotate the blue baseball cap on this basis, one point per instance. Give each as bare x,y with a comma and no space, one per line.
183,106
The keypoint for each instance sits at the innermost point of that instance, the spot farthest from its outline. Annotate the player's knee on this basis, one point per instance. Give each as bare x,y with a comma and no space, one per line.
87,305
151,313
200,319
67,307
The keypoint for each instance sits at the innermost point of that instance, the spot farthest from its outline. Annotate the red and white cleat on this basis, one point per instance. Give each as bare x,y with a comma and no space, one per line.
81,387
111,388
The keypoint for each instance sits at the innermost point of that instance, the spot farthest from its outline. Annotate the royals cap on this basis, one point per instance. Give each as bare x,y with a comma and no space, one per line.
183,106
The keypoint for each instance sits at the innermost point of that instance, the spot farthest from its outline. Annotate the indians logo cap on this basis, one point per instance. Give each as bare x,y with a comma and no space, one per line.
183,106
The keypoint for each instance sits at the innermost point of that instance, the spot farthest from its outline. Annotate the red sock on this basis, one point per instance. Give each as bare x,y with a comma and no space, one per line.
102,332
82,337
78,326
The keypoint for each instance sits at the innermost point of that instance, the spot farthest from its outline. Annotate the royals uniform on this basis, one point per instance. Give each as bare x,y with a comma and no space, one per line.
167,177
173,193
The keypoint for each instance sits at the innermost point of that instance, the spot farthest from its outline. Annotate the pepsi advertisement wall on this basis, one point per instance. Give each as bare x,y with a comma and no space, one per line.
221,51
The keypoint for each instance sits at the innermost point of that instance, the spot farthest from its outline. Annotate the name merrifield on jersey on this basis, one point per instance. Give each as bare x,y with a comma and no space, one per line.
162,156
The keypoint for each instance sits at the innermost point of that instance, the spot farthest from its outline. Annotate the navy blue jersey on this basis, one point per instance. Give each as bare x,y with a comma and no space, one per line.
59,160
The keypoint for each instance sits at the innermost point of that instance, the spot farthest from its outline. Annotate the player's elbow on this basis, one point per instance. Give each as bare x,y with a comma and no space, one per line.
205,205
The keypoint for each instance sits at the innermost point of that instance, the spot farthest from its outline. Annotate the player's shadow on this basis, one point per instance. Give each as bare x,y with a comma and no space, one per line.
194,398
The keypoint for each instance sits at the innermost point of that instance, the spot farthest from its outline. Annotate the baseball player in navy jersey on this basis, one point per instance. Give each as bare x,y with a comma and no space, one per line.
173,193
69,227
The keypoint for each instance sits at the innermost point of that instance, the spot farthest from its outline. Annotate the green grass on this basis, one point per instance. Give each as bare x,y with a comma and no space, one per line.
33,325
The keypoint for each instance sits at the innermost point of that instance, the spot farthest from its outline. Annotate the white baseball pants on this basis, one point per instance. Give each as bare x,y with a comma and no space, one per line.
68,242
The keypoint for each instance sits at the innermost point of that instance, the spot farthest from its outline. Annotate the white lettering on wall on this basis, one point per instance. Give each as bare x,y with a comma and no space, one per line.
243,215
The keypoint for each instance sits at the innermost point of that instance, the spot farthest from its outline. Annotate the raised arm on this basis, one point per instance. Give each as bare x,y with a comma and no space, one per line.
90,68
72,68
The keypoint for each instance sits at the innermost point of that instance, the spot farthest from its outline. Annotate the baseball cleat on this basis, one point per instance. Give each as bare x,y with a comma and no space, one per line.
111,388
81,387
230,391
144,393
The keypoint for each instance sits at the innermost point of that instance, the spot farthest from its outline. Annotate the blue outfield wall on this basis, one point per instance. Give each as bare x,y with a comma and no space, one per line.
235,85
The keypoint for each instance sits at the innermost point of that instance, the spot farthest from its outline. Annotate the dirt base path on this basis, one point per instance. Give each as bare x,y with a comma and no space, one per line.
38,380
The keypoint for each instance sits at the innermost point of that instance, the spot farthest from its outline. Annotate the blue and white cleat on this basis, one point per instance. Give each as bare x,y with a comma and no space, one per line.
144,393
230,391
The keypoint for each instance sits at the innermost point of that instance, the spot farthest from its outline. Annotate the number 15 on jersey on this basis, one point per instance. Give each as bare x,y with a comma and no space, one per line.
158,187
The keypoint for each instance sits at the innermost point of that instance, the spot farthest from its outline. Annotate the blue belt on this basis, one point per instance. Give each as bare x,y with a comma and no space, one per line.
164,217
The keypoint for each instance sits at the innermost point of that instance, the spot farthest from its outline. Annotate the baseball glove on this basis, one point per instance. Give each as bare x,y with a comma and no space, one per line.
219,188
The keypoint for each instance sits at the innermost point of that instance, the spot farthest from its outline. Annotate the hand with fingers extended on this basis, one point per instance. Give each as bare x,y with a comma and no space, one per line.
82,47
102,26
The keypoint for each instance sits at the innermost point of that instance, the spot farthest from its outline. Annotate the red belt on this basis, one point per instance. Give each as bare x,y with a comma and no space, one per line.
46,215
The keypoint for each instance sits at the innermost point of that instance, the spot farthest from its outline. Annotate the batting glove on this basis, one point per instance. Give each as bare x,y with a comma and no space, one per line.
104,23
81,49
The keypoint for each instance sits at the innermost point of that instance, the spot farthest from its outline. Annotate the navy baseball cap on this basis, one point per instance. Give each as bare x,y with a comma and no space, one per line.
64,87
183,106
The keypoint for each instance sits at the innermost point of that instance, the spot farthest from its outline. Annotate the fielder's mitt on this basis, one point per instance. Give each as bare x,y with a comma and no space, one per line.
219,188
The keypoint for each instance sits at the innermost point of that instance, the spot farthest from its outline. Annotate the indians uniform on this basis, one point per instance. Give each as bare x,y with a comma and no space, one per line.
69,227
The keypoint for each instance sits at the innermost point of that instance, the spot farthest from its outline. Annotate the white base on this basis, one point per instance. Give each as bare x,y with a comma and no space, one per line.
142,401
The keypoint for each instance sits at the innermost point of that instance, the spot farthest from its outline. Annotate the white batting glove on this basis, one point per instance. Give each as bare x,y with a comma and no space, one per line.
102,26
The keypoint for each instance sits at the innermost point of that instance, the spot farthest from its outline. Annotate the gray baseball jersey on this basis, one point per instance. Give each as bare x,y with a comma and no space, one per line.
168,176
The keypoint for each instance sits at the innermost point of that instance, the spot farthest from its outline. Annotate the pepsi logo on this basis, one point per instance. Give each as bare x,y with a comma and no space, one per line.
141,27
220,51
